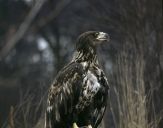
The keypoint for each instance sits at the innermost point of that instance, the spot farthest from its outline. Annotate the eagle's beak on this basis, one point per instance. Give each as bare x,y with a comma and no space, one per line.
103,36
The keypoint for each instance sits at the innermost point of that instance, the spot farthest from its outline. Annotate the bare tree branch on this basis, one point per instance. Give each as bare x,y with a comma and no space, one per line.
27,22
22,29
53,14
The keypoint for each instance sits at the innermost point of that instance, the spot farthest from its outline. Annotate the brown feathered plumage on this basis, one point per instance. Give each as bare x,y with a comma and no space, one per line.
80,90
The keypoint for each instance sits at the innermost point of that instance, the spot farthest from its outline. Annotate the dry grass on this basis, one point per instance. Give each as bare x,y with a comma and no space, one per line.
28,113
131,97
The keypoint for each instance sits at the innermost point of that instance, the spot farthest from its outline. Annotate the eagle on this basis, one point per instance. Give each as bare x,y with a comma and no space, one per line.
79,93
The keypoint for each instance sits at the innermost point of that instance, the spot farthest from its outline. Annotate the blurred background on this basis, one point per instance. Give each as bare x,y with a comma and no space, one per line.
37,38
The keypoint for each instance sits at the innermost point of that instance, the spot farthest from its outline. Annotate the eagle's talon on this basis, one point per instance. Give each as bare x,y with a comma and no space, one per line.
89,126
74,125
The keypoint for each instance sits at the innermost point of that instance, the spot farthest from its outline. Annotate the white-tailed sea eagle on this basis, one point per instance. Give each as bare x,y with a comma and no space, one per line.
78,95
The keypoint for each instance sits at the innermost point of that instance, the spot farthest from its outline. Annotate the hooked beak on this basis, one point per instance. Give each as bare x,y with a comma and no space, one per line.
103,36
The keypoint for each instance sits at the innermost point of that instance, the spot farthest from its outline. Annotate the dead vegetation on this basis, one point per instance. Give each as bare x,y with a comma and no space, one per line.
132,100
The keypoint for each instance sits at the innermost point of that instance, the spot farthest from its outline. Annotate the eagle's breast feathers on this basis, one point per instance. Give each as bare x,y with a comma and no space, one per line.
90,86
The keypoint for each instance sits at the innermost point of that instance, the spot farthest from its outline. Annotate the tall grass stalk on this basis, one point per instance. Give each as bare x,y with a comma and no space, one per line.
131,98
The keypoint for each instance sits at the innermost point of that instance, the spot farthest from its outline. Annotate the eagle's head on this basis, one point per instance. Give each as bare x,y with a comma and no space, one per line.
89,40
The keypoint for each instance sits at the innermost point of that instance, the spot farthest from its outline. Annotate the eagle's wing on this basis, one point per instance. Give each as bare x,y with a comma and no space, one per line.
101,101
64,93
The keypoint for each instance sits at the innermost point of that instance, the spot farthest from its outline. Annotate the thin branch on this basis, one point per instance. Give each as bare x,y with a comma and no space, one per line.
11,117
27,22
53,14
22,29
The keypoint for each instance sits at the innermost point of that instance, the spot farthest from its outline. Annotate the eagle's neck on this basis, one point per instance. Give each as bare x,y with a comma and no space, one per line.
89,56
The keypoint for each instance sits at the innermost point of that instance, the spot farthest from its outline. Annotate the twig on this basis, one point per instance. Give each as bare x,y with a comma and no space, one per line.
53,14
22,29
11,117
27,22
